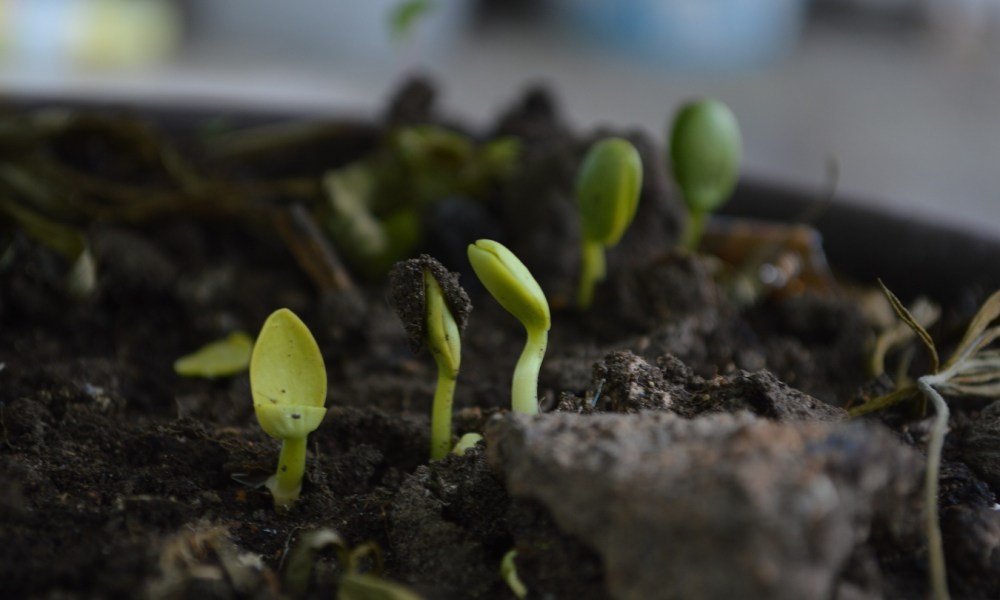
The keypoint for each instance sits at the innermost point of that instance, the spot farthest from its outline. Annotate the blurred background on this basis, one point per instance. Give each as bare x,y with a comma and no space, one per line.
904,94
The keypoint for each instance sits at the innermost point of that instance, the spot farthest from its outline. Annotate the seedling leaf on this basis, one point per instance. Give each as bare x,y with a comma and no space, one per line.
976,336
286,366
607,190
509,281
904,314
221,358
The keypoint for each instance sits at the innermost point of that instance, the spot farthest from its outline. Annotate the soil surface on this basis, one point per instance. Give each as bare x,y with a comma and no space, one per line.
693,441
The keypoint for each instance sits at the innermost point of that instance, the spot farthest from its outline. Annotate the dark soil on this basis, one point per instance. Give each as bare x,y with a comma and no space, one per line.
118,474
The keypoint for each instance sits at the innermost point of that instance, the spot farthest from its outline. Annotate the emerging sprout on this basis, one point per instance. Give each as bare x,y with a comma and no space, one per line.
607,194
354,584
510,282
221,358
288,383
434,309
468,440
705,152
508,571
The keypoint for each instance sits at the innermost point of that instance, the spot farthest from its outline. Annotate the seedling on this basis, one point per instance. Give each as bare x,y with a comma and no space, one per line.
607,195
354,583
288,383
705,152
434,309
972,370
469,440
508,571
221,358
509,281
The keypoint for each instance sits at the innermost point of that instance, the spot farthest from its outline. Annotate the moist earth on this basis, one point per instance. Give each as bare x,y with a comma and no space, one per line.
692,444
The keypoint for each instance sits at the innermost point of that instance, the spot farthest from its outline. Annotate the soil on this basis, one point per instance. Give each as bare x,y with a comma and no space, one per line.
692,444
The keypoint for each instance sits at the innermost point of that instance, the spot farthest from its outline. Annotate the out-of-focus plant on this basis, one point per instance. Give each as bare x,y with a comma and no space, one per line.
355,584
705,149
221,358
373,207
607,193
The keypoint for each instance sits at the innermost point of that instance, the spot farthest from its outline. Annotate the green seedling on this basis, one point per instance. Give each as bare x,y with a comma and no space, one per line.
972,370
510,282
434,309
288,383
221,358
705,150
607,194
374,207
465,442
508,571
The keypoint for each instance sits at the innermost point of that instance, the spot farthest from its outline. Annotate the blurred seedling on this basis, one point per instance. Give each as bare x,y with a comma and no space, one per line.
705,149
221,358
607,193
288,383
508,571
434,310
972,370
355,583
373,207
512,285
467,441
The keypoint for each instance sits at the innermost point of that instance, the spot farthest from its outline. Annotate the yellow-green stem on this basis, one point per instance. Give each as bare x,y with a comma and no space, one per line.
441,415
592,270
524,390
693,230
939,429
286,483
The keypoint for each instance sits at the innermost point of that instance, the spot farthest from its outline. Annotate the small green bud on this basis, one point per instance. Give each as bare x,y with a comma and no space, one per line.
705,151
510,282
607,192
607,189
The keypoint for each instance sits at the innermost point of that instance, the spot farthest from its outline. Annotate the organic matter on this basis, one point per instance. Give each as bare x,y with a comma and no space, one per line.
686,445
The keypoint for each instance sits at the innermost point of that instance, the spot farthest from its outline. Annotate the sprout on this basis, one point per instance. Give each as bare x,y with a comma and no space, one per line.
510,282
705,152
354,584
288,383
468,440
607,194
508,571
434,309
228,356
